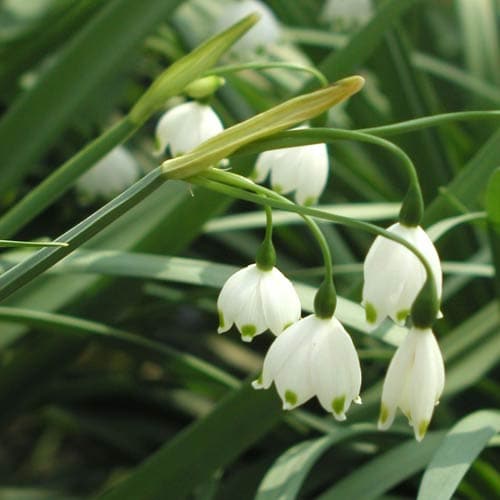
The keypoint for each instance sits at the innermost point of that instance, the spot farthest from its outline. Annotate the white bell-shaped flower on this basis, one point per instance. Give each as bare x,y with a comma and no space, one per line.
414,381
257,300
111,175
393,275
347,14
303,169
266,32
186,126
314,356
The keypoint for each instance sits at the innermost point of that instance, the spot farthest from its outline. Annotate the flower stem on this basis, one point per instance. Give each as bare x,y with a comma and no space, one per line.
234,68
326,298
429,121
237,186
413,206
266,255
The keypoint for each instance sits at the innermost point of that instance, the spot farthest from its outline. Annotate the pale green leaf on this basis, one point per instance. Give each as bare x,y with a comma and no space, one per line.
456,453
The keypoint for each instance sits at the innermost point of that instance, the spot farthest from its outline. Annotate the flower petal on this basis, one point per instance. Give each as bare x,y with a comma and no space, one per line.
424,383
280,302
284,346
395,380
312,174
234,295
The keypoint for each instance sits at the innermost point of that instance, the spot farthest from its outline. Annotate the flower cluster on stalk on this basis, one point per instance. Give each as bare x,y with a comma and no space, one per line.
315,356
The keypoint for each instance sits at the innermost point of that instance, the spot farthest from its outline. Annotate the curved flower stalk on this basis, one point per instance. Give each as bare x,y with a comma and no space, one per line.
186,126
111,175
314,357
257,300
414,381
346,15
303,169
266,32
393,275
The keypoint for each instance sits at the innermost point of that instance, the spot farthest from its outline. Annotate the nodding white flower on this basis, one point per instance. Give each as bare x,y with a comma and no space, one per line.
112,174
186,126
303,169
257,300
394,275
414,381
314,356
347,14
266,32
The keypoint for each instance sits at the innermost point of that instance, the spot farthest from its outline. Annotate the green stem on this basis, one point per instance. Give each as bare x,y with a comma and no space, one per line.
213,182
429,121
34,265
16,244
413,206
326,297
38,199
266,255
240,182
234,68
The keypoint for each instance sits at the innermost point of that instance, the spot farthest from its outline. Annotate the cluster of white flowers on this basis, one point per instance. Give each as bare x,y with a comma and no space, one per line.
315,356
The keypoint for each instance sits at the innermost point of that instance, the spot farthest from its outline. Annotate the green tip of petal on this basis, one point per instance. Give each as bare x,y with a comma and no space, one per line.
370,313
278,188
310,201
384,414
253,175
222,323
291,398
402,315
248,332
422,429
338,405
290,323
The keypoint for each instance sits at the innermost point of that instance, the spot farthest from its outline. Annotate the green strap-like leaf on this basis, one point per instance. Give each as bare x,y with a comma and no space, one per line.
286,476
385,471
459,448
40,114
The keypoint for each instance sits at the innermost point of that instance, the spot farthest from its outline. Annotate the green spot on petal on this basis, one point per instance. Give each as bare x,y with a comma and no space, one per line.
370,313
384,414
222,323
291,397
422,428
278,188
287,325
248,330
338,405
402,315
310,201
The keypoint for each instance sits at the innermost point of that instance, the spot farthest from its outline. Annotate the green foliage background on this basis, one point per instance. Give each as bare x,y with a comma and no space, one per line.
113,382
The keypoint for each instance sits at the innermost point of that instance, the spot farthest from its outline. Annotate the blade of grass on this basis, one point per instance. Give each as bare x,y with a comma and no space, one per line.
385,471
456,453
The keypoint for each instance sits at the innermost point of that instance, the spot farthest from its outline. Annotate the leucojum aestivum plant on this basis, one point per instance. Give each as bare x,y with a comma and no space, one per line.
310,356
